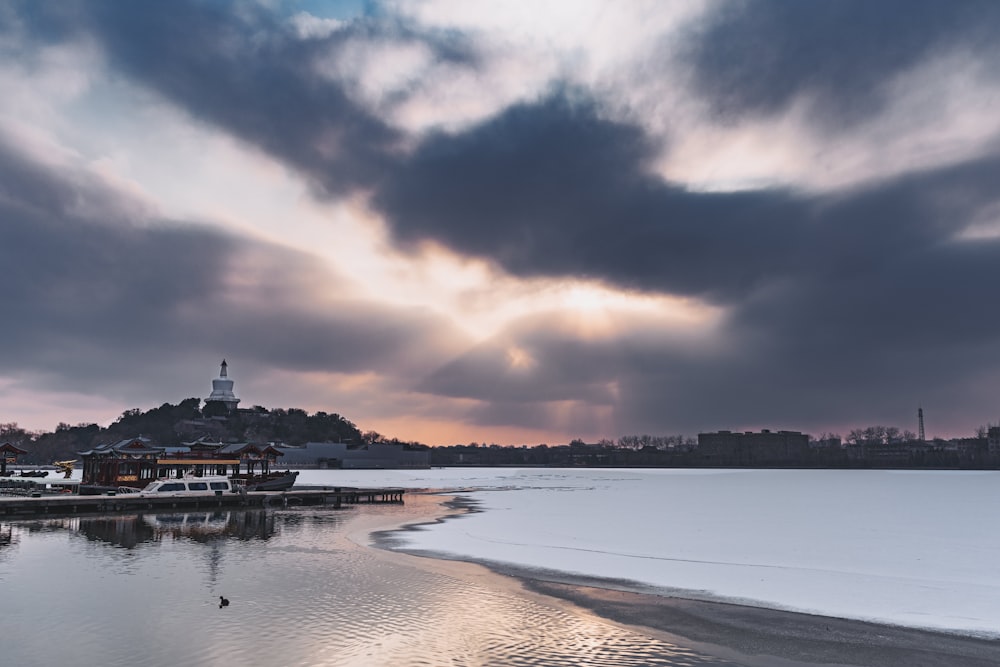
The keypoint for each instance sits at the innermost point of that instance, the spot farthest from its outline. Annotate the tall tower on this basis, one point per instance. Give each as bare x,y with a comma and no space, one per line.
920,423
222,389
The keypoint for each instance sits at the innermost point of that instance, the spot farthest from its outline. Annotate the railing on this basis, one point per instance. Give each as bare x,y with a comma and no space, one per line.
16,487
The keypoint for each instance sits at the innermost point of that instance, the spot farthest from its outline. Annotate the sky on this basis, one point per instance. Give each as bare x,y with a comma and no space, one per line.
511,223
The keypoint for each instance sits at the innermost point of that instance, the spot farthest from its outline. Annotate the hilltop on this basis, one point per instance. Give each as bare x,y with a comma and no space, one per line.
187,421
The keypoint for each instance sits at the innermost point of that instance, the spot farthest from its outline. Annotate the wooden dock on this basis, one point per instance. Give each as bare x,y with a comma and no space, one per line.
68,504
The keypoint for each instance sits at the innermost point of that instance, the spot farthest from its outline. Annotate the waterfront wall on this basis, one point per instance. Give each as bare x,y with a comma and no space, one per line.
342,455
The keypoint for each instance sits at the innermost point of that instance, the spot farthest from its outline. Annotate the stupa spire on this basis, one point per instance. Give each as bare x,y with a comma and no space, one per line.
222,389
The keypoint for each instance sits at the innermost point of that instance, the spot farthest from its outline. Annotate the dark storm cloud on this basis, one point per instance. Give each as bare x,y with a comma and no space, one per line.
553,190
757,56
92,292
247,74
244,69
872,298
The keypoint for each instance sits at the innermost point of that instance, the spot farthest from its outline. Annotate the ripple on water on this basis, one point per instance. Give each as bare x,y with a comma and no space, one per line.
301,594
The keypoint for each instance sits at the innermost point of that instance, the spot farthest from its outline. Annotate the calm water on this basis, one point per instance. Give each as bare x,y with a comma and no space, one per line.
143,590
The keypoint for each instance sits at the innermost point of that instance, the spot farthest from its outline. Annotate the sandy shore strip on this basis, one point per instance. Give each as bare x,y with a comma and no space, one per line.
752,636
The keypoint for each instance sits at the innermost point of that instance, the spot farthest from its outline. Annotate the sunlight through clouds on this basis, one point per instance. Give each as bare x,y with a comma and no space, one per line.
564,219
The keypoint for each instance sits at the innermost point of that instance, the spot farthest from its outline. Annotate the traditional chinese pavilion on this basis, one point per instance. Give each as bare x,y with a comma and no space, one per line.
136,462
9,454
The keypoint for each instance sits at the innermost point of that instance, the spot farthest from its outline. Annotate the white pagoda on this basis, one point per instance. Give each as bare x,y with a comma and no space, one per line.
222,390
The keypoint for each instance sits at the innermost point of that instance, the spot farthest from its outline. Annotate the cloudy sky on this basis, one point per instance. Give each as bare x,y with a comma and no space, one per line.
510,222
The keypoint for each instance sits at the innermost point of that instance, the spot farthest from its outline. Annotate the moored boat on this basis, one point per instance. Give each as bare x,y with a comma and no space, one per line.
274,481
189,486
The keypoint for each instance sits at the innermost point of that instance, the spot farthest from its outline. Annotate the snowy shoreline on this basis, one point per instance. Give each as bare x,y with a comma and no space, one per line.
748,635
898,548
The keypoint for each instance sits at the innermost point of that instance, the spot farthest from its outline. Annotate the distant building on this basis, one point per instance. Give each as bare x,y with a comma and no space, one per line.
222,390
385,456
750,449
831,442
993,440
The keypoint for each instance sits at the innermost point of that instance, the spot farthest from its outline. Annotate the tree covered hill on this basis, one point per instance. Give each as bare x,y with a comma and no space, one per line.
173,424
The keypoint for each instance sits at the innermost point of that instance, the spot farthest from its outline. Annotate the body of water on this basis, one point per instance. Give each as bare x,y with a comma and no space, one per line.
143,590
306,588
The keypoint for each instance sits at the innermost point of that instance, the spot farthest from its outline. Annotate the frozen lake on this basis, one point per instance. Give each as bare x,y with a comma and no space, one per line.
912,548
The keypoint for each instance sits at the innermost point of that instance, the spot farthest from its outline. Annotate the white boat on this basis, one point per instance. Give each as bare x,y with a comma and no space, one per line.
189,486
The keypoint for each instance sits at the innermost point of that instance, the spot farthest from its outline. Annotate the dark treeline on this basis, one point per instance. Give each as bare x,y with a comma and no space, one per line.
173,424
871,447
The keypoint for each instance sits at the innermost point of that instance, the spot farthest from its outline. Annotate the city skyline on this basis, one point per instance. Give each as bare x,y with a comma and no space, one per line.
455,222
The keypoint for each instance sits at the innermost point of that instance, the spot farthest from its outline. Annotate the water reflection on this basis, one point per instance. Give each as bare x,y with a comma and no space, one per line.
7,538
133,530
143,590
127,532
